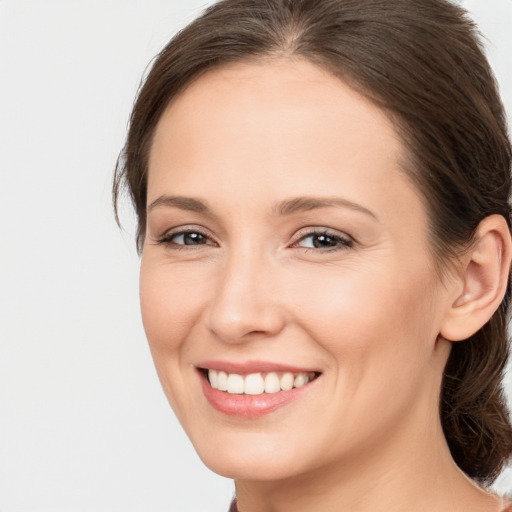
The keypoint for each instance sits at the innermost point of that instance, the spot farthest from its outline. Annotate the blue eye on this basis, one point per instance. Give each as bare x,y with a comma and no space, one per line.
324,240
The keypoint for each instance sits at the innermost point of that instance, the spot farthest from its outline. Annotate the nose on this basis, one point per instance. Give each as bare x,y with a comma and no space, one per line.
245,303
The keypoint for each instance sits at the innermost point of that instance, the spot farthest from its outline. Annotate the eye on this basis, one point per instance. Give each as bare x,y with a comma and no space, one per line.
187,237
325,240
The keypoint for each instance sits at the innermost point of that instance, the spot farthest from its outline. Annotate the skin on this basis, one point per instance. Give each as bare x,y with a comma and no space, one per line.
366,435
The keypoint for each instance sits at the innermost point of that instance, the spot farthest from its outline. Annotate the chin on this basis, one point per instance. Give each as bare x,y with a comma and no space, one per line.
268,469
253,459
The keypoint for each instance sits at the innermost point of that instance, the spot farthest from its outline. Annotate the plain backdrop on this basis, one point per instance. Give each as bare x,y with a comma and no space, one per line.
84,425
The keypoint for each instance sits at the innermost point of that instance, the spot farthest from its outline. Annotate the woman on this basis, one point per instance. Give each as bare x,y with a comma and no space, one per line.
322,197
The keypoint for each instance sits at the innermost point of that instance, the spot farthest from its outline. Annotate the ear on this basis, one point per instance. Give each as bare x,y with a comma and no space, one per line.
482,281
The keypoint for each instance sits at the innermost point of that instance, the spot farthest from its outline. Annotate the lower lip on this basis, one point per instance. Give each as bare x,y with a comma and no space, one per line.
250,406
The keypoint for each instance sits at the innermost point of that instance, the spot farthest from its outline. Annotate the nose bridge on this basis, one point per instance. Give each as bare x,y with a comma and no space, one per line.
243,303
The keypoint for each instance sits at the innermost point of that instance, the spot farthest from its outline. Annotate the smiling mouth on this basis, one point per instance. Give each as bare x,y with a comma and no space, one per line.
260,383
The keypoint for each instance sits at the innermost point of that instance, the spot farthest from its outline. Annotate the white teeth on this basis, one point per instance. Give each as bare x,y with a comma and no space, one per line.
287,381
222,381
257,383
299,381
272,384
235,384
213,376
254,384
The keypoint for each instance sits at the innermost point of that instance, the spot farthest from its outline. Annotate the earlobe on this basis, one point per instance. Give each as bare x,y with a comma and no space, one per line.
483,278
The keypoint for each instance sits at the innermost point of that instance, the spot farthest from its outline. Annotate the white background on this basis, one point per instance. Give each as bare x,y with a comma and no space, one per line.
84,425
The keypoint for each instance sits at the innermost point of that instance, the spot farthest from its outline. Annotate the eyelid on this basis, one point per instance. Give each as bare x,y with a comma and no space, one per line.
346,239
165,238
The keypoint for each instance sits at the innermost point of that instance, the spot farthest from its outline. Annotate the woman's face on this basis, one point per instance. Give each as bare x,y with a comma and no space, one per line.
285,242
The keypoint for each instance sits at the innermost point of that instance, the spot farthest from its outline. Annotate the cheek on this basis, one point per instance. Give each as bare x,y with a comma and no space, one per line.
378,322
379,333
169,304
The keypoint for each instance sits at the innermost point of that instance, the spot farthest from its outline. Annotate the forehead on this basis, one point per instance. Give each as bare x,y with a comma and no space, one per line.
271,126
253,95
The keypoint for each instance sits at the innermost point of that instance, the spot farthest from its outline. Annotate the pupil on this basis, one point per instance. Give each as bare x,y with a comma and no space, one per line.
193,239
324,241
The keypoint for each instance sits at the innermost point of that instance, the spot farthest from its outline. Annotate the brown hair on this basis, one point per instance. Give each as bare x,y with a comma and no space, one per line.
422,62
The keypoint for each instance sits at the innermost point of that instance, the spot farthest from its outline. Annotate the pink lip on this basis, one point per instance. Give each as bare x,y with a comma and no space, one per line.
248,367
249,406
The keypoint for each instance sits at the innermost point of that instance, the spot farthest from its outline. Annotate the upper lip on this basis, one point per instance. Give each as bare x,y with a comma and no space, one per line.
248,367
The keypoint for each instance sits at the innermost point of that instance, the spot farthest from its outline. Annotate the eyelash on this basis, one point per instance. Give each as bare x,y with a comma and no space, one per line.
342,242
167,239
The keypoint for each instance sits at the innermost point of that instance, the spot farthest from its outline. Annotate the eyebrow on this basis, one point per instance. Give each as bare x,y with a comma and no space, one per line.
307,203
183,203
285,208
